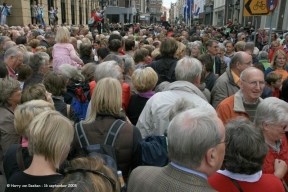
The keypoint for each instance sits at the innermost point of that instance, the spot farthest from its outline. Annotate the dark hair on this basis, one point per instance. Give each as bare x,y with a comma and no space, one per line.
49,35
21,40
155,44
244,157
103,52
114,45
168,47
114,36
3,69
85,49
140,54
144,41
122,33
24,72
207,60
210,42
129,44
55,83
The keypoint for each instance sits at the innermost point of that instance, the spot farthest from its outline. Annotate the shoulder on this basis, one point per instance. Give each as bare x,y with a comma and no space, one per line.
227,103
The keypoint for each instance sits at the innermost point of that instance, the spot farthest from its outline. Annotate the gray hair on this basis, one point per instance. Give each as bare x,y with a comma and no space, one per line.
7,88
188,69
239,35
249,46
221,46
13,51
26,57
236,58
114,57
179,106
196,44
128,63
49,35
244,157
107,69
8,45
272,111
71,73
38,60
263,55
190,135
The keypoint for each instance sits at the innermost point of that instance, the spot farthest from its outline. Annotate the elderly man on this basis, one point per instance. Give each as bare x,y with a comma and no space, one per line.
246,100
228,83
154,117
48,41
196,148
212,49
14,59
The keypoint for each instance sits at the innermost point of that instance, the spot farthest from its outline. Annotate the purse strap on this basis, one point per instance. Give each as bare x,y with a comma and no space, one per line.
236,184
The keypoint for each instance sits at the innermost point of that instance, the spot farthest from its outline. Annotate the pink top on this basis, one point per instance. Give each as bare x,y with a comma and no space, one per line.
64,53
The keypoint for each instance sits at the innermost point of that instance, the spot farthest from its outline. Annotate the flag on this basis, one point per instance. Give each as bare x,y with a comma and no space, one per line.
187,8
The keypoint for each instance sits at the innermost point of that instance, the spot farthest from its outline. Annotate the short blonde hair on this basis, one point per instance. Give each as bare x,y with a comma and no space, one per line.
155,53
40,49
144,79
106,98
24,114
34,91
181,47
57,132
276,54
62,35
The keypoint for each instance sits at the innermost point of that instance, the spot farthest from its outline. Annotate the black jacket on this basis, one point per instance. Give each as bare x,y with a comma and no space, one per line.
44,43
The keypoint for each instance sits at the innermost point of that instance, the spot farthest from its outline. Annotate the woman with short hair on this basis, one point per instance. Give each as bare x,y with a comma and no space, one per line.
271,117
244,157
140,57
47,153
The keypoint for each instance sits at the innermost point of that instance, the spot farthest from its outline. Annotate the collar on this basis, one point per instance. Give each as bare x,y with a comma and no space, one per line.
235,77
147,94
189,170
246,102
238,103
276,147
241,177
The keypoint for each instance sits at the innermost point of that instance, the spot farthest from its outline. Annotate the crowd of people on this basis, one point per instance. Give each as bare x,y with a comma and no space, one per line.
218,94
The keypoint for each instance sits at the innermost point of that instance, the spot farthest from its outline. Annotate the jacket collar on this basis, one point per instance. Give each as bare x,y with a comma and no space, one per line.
238,102
230,77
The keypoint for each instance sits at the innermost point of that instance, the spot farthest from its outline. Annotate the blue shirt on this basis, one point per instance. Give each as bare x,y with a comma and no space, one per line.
189,170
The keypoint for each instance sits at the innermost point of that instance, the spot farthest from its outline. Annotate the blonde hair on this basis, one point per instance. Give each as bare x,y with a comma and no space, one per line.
40,49
34,91
144,79
62,35
86,179
181,47
276,54
50,135
155,53
24,114
106,98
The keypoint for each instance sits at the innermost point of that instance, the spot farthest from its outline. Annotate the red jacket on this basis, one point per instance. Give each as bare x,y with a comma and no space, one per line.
96,19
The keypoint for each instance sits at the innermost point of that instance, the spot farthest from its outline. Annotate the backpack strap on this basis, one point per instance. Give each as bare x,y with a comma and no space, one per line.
113,132
81,135
19,158
237,185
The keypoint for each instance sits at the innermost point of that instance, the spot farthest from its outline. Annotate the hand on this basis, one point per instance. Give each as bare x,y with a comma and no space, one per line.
82,64
280,168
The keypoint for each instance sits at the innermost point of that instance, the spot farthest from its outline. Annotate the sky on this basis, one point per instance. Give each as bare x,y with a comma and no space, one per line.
167,3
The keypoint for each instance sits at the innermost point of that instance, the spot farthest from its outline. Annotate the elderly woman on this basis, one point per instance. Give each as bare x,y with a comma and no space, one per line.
10,97
105,110
279,64
144,81
24,114
48,154
56,84
140,57
129,67
244,156
39,62
165,67
196,48
271,117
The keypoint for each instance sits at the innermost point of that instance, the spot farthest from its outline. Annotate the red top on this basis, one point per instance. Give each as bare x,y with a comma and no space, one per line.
276,93
267,182
96,19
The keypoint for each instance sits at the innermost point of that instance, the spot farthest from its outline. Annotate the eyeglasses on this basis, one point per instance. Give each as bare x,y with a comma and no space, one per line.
255,83
112,182
280,126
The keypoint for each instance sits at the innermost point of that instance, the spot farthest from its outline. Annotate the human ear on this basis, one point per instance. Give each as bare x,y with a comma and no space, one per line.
210,157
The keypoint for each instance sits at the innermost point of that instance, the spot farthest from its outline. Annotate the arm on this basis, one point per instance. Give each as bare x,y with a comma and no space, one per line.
218,94
126,94
145,122
73,55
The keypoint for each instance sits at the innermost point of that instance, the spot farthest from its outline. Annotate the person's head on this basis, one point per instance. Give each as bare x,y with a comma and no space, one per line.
102,52
212,46
271,117
196,48
3,70
58,133
50,37
196,140
181,51
115,45
40,49
274,79
39,62
24,73
241,37
106,98
168,47
71,73
249,47
129,45
180,105
274,45
240,61
244,157
140,55
108,69
229,47
279,60
35,91
89,174
207,62
156,54
240,46
263,55
13,57
221,51
33,43
10,92
189,69
129,65
21,40
62,35
85,49
88,71
144,79
25,113
55,83
252,84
